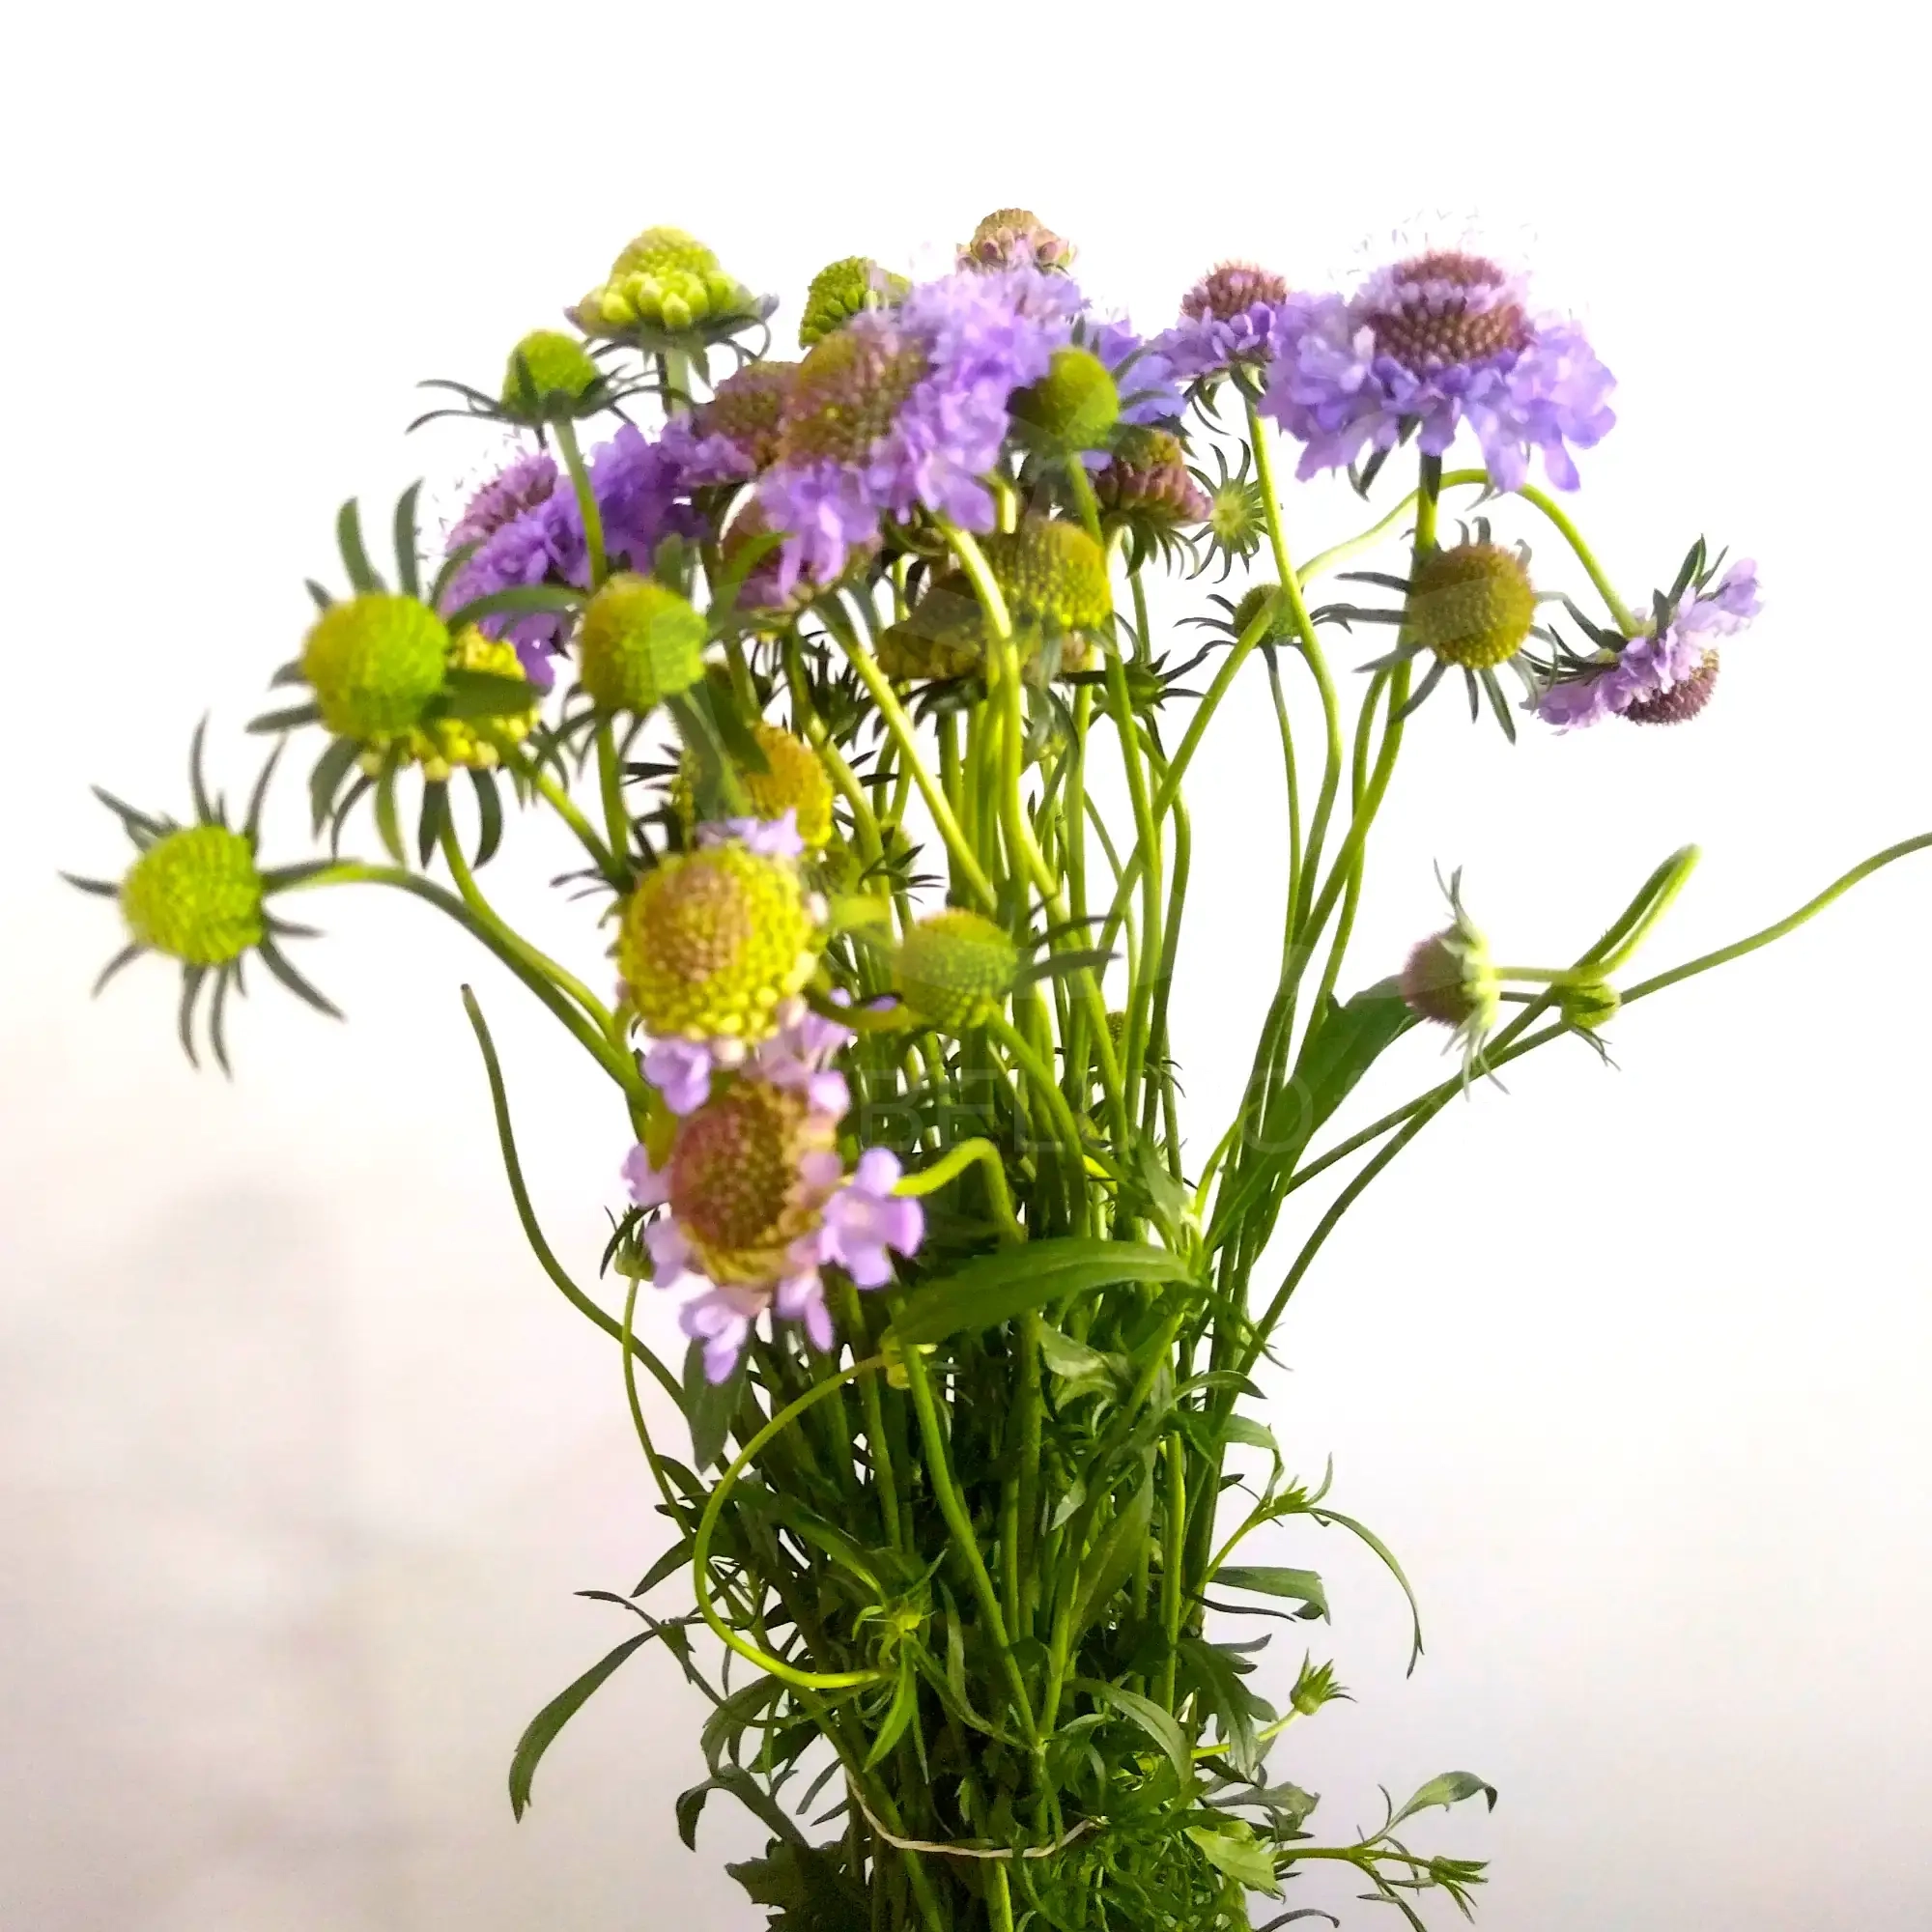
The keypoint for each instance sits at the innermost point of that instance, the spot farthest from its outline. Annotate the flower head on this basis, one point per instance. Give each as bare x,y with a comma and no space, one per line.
954,967
1450,979
714,941
1015,238
196,896
1665,677
441,744
524,484
1227,318
375,662
794,786
840,290
664,282
1433,342
1472,605
1074,405
734,435
641,643
1147,487
905,408
549,375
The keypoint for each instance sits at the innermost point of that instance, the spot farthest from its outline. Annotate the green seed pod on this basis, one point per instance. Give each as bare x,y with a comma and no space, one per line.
1472,605
196,896
639,644
954,967
374,663
1073,406
549,373
840,290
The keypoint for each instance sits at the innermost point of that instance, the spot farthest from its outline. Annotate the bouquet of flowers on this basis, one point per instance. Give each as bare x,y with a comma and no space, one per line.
839,670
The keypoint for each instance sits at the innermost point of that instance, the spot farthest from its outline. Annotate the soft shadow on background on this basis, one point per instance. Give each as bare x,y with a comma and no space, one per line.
301,1458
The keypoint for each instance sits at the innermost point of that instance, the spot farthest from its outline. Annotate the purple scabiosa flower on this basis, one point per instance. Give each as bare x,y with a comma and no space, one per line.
1441,339
907,407
757,1202
680,1070
1665,677
1141,371
524,484
1229,316
638,487
734,435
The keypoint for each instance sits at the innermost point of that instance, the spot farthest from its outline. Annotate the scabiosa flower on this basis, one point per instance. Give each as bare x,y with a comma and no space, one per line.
840,290
374,663
1432,342
1015,238
907,409
715,941
954,968
640,642
638,486
438,745
794,789
1142,372
1228,317
665,281
1451,979
527,482
734,435
196,896
1147,487
797,1055
1667,677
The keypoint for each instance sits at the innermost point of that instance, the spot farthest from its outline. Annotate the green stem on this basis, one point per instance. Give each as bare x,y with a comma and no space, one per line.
587,498
1630,626
950,1166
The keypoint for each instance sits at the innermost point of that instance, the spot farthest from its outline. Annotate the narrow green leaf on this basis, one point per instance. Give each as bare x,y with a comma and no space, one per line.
749,1792
709,1406
483,693
1301,1586
1324,1517
906,1701
355,558
323,600
543,1728
677,1557
519,597
1112,1561
1156,1723
490,814
277,963
388,823
1451,1788
407,576
435,815
326,780
996,1286
290,720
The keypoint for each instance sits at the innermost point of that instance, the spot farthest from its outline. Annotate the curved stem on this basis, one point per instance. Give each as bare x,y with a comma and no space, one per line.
950,1165
1630,626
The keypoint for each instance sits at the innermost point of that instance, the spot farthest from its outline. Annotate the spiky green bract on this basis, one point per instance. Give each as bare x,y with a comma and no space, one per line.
375,662
1451,978
549,374
196,896
953,969
1590,1005
840,290
639,644
1073,407
1472,605
1256,599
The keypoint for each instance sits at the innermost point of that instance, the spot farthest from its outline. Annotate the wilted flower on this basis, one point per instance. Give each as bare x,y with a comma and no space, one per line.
1450,979
1438,340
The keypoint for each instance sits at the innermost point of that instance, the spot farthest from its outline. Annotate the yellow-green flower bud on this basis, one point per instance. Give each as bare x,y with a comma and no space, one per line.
664,279
639,644
374,663
196,896
1052,574
1590,1005
793,781
712,942
943,636
840,290
548,374
1256,599
1472,605
1074,405
441,744
954,967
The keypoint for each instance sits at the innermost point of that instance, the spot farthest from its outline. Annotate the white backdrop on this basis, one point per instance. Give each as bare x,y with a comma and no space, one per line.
299,1456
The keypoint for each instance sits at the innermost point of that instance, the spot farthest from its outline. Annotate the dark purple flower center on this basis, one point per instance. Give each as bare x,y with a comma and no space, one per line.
1231,289
735,1165
1682,702
1446,307
846,393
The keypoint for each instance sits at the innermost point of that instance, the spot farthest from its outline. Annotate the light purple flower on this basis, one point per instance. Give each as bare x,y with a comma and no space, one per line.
956,350
865,1218
722,1321
648,1185
1435,342
1228,317
680,1070
1142,371
1649,666
769,838
524,484
798,1056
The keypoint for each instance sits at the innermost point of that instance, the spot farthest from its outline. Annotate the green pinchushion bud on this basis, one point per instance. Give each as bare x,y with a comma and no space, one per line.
196,896
639,644
1592,1004
793,781
549,374
713,941
1052,574
1472,605
375,662
954,967
665,281
1074,405
943,636
840,290
1256,599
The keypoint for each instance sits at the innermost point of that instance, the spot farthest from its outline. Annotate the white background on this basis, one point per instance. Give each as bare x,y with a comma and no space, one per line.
301,1458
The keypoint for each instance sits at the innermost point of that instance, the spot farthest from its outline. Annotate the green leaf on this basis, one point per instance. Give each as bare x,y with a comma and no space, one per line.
490,815
996,1286
1301,1586
407,576
749,1792
677,1557
1451,1788
1155,1721
1233,1849
519,597
387,824
483,693
1074,1361
906,1701
290,720
709,1406
1324,1517
355,558
543,1728
1112,1561
804,1887
435,815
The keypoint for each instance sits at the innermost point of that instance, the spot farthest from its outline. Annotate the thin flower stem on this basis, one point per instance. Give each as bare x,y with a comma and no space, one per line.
673,1503
611,789
1040,1078
978,1151
520,766
1630,626
587,498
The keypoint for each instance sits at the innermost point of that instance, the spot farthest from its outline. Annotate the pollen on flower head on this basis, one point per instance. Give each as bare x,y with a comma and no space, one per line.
374,663
954,967
441,744
745,409
840,290
1445,307
1074,405
794,781
847,392
1472,605
740,1180
714,941
640,642
1682,702
547,372
196,896
1015,238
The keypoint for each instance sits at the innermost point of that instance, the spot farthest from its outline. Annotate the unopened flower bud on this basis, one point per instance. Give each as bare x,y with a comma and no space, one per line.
1589,1006
840,290
641,643
793,781
1472,605
549,374
1074,405
954,967
374,663
196,896
1052,574
1015,238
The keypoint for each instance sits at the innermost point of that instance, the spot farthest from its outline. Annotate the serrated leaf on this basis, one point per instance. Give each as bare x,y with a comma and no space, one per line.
995,1288
1451,1788
541,1732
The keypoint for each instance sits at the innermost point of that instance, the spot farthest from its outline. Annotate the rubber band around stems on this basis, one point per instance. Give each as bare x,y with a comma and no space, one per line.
700,1549
995,1854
